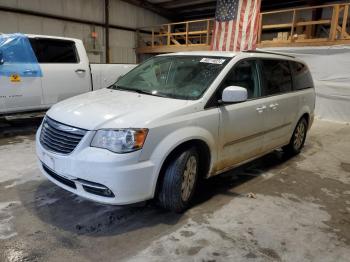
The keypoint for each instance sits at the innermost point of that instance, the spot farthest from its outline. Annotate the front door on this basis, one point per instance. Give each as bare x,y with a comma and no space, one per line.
241,124
66,72
20,75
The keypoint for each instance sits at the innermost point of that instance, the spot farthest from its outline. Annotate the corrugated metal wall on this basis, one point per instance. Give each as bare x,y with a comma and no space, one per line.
122,42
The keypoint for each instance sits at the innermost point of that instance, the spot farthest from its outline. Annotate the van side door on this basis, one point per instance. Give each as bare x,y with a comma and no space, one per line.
282,105
241,124
65,68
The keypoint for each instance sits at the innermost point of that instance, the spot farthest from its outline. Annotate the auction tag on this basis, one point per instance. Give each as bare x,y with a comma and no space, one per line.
15,78
217,61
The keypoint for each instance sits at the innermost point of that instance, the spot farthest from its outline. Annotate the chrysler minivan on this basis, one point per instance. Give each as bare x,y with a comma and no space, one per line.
173,120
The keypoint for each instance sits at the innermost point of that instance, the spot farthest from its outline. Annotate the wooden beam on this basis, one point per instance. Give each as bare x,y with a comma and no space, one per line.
187,27
168,35
346,35
335,18
305,42
293,27
277,26
208,32
319,22
345,21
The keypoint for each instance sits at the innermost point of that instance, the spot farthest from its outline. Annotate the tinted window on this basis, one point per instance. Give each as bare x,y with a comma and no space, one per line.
54,51
277,77
244,75
302,76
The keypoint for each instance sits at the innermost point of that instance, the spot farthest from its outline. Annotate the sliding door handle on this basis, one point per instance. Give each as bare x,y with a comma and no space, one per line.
80,71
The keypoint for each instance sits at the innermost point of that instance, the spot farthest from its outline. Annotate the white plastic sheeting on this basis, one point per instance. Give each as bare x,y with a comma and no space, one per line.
330,69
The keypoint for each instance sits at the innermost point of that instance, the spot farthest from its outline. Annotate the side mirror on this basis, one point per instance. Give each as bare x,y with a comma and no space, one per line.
2,61
234,94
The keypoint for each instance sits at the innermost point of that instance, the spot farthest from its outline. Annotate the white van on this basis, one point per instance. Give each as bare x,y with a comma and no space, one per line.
172,120
65,72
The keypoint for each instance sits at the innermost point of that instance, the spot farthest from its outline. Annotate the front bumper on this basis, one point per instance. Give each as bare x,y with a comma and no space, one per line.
129,180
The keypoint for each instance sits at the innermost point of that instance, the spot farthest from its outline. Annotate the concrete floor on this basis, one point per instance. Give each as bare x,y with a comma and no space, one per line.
273,209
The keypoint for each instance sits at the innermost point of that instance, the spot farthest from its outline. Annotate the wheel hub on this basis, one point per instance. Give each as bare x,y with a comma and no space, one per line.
189,177
299,136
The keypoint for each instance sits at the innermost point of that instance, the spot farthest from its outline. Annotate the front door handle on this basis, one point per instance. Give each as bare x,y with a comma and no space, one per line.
30,72
273,106
260,109
80,71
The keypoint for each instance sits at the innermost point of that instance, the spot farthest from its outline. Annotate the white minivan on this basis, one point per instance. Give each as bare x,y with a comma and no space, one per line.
173,120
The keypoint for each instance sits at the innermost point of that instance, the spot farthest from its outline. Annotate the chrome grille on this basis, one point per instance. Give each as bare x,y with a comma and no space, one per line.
58,137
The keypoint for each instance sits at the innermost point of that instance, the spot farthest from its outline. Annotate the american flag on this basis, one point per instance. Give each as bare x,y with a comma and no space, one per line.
236,25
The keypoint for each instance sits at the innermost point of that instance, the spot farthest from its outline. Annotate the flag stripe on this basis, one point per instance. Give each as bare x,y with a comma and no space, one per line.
237,25
249,27
241,21
245,32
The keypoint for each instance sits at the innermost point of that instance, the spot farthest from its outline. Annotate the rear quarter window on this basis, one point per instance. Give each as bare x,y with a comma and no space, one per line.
301,76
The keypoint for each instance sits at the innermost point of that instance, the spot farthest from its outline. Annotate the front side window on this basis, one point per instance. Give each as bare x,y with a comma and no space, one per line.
276,76
54,51
244,74
179,77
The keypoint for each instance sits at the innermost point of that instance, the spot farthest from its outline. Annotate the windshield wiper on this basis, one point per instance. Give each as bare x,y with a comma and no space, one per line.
115,87
139,91
149,93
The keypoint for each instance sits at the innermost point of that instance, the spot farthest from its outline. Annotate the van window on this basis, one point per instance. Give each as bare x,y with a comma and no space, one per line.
276,76
54,51
302,76
244,74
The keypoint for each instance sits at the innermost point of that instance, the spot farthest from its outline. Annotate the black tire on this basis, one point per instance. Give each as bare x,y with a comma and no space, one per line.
171,195
298,138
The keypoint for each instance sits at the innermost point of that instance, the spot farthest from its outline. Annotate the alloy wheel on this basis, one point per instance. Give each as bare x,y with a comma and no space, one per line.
189,178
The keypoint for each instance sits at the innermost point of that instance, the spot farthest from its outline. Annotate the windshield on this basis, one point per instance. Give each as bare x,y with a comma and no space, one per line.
180,77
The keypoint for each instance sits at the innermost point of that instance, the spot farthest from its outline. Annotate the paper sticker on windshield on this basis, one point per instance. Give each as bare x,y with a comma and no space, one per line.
213,61
15,78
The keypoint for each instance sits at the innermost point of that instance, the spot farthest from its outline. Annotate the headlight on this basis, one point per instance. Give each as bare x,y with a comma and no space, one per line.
120,140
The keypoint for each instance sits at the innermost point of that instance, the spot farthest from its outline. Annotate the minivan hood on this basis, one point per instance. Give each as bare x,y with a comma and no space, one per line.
108,108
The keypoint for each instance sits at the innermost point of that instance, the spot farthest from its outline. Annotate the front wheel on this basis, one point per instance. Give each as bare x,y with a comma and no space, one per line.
179,181
298,138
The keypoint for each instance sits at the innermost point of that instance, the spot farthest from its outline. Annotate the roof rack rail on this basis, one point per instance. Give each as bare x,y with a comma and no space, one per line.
267,52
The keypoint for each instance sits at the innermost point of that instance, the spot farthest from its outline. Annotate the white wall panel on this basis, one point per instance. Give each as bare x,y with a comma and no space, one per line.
8,22
82,9
129,15
122,43
122,46
30,24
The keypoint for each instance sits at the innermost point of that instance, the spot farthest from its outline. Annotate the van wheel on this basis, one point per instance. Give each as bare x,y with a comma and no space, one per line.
298,138
179,181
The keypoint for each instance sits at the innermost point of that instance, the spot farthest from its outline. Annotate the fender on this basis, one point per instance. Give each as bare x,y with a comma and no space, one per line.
175,139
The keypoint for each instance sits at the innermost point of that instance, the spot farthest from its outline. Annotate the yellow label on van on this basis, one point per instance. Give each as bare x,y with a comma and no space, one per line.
15,78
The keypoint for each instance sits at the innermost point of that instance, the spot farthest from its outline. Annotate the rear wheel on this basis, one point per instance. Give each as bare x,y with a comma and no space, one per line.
298,138
179,181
